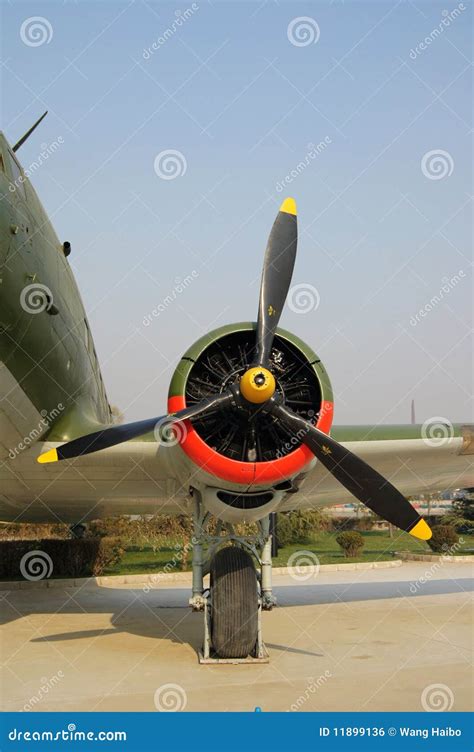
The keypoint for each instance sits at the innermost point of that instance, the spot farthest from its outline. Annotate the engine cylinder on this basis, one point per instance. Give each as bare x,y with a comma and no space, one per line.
249,448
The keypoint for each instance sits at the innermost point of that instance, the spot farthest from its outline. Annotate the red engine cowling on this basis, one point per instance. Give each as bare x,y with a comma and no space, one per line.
249,449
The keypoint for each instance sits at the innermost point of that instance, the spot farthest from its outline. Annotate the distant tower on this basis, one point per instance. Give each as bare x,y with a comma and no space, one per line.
413,419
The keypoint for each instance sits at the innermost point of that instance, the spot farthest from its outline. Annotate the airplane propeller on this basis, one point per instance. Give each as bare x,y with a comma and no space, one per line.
278,264
109,437
361,480
257,388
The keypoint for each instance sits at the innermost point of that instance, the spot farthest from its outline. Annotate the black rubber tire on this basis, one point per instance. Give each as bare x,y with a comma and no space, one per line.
234,603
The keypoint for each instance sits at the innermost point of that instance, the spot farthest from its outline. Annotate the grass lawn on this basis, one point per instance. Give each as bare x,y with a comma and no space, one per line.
378,546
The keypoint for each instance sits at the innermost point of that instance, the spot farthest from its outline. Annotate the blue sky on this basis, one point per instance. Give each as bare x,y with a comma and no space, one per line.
380,228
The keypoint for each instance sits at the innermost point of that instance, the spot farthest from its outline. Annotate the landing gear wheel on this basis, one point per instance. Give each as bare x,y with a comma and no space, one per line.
234,603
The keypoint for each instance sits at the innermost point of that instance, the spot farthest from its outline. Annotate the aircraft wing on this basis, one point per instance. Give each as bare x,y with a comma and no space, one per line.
411,463
143,477
136,477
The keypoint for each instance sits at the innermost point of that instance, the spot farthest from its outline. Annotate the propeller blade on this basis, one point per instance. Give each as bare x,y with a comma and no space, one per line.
277,271
108,437
363,482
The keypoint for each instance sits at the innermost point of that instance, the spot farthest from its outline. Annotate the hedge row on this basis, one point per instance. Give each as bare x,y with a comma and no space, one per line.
43,559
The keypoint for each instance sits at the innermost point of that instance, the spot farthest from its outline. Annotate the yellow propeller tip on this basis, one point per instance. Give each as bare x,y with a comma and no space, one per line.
50,456
289,206
421,531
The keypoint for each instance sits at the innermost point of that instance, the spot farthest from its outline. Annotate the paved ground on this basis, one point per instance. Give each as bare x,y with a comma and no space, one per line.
364,640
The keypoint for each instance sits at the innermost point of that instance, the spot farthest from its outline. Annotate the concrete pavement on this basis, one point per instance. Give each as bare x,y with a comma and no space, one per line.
361,640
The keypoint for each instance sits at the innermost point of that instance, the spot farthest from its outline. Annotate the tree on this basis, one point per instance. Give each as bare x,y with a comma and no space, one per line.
463,506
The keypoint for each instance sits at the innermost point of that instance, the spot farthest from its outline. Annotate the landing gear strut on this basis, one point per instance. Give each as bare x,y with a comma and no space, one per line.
238,592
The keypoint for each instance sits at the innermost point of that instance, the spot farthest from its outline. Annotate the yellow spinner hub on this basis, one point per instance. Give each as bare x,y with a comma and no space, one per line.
257,385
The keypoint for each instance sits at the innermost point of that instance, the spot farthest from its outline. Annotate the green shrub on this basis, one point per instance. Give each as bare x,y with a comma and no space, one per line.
460,524
109,554
339,524
365,522
300,527
443,539
351,543
75,557
285,531
465,527
463,506
33,530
